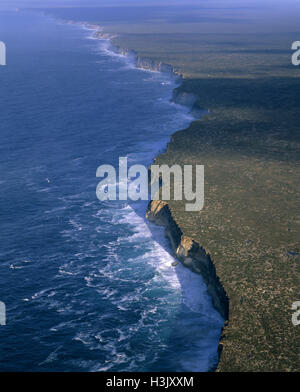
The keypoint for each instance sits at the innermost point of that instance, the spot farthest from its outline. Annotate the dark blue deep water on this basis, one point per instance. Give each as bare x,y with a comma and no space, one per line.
88,286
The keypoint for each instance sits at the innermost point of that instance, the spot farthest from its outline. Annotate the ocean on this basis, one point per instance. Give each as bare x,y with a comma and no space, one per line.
88,285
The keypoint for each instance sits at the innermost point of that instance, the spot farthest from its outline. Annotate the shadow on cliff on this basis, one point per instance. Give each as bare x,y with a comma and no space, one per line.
197,327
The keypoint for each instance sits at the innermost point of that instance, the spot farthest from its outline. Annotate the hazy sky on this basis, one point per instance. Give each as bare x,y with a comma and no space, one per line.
49,3
270,14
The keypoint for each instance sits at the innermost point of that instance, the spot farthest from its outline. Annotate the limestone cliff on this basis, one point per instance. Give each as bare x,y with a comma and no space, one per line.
190,253
139,61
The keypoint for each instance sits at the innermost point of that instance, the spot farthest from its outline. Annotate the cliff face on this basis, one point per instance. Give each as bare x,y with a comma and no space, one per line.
180,97
145,63
140,61
190,253
260,278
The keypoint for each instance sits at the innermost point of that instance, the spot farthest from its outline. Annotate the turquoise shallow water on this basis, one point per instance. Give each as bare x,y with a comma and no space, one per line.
88,285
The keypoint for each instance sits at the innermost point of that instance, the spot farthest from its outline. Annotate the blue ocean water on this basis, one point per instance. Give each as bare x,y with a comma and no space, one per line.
88,285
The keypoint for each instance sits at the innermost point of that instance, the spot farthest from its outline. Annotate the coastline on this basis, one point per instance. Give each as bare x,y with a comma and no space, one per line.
251,139
184,98
117,264
185,249
188,251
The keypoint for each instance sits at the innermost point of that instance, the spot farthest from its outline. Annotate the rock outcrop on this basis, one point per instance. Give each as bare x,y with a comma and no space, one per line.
190,253
140,61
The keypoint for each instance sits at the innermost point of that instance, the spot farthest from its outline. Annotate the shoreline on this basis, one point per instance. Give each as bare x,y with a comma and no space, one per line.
186,99
189,252
250,141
